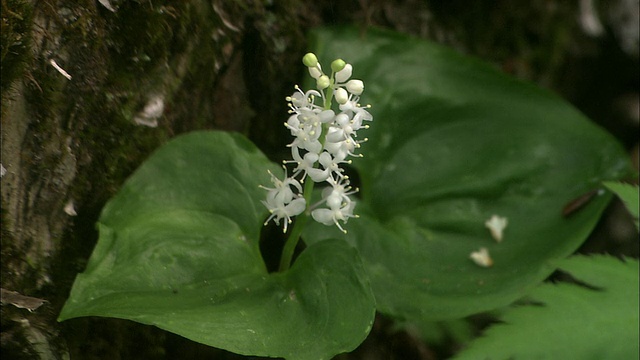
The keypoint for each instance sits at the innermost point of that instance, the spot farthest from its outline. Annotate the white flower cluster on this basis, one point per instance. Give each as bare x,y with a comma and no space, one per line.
322,141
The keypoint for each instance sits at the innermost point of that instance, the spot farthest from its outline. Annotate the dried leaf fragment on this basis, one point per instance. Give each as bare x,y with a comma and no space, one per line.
20,301
70,209
482,257
496,226
60,69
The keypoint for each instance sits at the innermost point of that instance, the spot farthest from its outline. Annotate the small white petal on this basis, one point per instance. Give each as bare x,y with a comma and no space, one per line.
481,257
326,116
342,96
310,158
325,159
342,119
334,200
323,216
335,135
296,207
313,146
318,175
69,209
315,72
496,226
344,74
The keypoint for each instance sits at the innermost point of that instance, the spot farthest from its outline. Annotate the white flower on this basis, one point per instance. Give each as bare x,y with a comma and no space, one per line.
305,163
282,191
341,189
279,211
281,200
359,113
329,165
300,100
342,149
318,175
313,146
322,142
306,127
332,216
340,204
336,134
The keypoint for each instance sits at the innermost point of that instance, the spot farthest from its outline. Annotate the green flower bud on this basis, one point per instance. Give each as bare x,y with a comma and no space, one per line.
323,82
310,60
337,65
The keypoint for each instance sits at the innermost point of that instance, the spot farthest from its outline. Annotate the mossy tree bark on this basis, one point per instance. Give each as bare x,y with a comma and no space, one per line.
90,88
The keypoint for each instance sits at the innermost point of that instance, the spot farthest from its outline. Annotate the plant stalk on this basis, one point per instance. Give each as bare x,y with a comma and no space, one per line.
296,232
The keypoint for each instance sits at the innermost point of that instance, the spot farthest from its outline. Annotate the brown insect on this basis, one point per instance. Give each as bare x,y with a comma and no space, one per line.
578,203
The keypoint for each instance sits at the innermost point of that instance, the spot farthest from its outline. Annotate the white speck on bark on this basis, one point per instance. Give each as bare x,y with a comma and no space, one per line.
60,70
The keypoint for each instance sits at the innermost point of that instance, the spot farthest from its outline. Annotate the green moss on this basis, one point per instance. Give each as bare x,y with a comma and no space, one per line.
141,36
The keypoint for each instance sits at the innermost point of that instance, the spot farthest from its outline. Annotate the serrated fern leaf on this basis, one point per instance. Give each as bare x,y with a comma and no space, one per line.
596,321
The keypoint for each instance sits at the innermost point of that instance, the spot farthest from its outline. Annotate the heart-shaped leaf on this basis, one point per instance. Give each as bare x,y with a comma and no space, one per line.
454,142
178,249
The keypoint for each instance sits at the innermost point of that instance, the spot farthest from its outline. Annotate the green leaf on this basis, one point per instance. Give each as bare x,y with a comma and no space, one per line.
573,322
629,195
453,142
178,249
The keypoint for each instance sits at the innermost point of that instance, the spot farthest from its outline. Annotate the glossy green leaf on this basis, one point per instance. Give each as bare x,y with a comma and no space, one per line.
178,249
453,142
572,321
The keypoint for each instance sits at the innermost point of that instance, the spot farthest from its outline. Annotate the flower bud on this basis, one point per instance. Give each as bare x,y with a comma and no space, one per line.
315,72
334,200
326,116
344,74
310,60
341,96
356,87
323,82
337,65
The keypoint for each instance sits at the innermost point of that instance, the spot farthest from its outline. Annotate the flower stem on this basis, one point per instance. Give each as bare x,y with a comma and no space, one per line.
329,95
296,232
